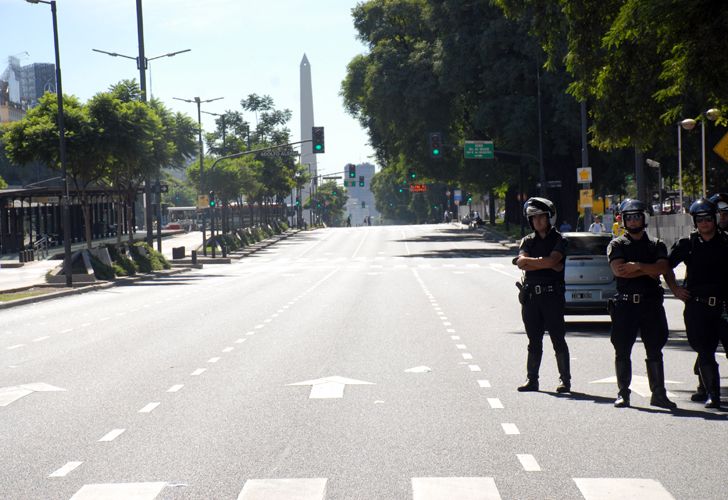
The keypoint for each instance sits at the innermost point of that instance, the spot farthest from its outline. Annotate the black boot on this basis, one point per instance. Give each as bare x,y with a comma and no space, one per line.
656,377
563,363
624,379
711,377
533,363
699,394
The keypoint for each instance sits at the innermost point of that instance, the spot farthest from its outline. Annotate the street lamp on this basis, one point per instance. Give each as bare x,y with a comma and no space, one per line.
222,120
689,123
198,101
143,87
65,209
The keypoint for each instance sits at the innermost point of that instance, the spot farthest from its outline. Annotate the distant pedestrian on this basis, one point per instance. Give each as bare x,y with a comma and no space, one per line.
565,227
348,220
597,226
617,228
541,256
637,262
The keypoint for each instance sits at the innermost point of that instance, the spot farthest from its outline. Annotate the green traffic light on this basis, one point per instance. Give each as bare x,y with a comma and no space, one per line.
436,152
318,147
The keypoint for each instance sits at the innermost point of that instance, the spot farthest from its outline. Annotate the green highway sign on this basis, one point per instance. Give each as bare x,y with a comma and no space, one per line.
479,150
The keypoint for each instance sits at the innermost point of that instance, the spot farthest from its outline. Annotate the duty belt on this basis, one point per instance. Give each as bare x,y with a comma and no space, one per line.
540,289
634,298
711,301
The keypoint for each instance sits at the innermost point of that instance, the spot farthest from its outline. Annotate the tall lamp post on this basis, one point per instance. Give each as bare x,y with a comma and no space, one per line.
65,202
689,123
142,84
199,101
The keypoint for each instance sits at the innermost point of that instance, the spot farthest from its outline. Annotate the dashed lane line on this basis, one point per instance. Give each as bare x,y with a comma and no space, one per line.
199,371
175,388
66,469
528,463
495,403
110,436
484,383
510,429
149,408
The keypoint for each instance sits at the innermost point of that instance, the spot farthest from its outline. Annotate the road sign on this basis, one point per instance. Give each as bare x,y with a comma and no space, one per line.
586,198
479,150
330,387
584,175
721,149
203,201
458,196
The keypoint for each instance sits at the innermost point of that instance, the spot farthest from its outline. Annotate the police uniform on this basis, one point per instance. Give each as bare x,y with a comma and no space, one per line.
637,307
542,299
706,280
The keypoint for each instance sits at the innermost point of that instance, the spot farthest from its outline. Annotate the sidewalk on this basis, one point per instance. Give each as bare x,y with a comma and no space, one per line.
33,273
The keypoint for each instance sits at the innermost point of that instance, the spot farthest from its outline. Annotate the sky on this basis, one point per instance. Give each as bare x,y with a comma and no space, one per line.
238,47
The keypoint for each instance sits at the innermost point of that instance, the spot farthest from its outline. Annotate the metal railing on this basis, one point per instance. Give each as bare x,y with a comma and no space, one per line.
40,248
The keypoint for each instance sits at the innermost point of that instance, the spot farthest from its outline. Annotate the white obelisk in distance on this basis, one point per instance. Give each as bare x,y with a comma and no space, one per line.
307,156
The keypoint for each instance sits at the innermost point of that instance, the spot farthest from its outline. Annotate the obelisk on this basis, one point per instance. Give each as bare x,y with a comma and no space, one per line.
307,157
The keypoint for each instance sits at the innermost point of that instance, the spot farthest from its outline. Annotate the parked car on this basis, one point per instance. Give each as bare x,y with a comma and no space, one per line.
589,279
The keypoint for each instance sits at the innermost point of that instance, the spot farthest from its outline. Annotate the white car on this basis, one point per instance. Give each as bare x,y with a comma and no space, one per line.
589,279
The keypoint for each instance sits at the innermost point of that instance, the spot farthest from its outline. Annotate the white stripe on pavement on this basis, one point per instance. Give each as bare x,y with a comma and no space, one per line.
66,469
495,403
199,371
622,488
149,408
529,463
447,488
284,489
483,383
112,435
510,429
175,388
119,491
474,368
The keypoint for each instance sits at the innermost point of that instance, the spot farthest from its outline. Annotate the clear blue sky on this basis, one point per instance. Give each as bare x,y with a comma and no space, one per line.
238,47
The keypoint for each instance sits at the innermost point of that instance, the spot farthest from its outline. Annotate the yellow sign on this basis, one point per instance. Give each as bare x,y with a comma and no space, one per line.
584,175
721,149
586,197
203,201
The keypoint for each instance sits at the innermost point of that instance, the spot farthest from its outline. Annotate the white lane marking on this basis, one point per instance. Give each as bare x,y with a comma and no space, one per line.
16,346
199,371
459,346
105,318
458,272
495,403
274,315
529,463
267,320
330,387
213,360
41,339
250,333
85,324
628,488
283,489
467,356
450,330
445,323
117,491
228,349
406,246
149,408
418,369
495,267
258,327
462,488
360,244
110,436
175,388
66,469
240,341
510,429
474,368
66,330
483,383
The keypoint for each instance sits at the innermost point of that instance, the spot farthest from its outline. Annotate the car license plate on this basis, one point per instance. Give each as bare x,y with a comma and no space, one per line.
581,295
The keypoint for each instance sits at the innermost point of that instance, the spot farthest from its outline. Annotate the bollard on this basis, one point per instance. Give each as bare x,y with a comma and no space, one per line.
31,257
194,257
21,256
224,249
178,253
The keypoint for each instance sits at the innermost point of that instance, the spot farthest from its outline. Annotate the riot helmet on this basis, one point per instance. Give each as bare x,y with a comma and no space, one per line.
631,207
536,206
701,208
720,200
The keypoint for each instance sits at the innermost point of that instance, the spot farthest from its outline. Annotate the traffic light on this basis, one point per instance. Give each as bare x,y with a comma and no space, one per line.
211,198
361,181
317,139
334,193
469,198
352,171
298,202
435,144
411,174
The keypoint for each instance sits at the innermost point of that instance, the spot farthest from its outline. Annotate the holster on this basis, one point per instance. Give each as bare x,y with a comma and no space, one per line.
523,294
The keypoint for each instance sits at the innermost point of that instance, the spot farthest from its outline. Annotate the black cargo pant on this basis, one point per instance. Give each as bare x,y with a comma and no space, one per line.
541,313
705,327
646,318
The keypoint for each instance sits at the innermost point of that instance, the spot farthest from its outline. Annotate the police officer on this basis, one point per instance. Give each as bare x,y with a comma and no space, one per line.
541,256
704,253
637,262
720,200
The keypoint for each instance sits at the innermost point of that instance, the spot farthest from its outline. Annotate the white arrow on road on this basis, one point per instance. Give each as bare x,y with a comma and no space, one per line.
330,387
15,392
640,384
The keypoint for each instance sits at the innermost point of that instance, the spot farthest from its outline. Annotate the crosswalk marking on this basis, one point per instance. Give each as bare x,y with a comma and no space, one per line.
622,488
66,469
462,488
284,489
119,491
528,463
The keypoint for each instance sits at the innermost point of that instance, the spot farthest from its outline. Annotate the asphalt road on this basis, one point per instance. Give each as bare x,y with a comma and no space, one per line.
358,363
